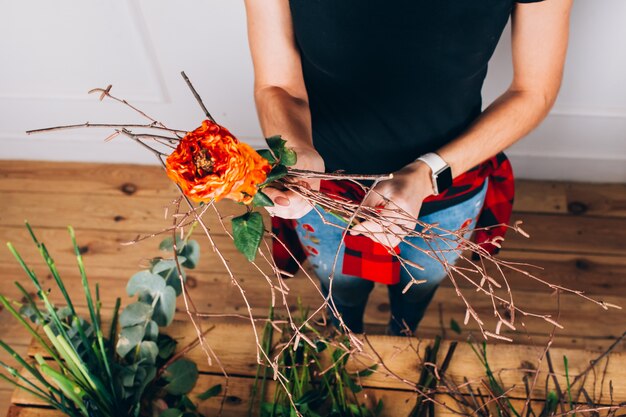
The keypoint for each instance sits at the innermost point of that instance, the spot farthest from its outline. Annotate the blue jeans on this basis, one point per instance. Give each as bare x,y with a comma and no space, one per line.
350,293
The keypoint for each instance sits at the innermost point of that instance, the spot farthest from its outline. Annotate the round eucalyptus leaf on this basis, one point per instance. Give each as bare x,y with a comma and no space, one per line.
152,331
148,351
167,346
181,376
165,307
167,269
145,282
191,251
135,313
129,338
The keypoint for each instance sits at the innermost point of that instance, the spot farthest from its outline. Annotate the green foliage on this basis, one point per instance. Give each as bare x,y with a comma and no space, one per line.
278,172
315,390
118,375
248,228
211,392
279,152
247,233
454,326
262,200
181,376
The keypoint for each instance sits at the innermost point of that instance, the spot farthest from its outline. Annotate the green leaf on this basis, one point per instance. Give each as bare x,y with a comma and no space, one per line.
549,408
129,338
267,154
354,387
191,251
308,397
165,308
171,412
152,331
288,157
145,282
276,173
167,346
148,351
379,408
181,376
454,326
187,404
247,232
167,269
285,155
262,200
276,143
135,313
365,372
167,244
211,392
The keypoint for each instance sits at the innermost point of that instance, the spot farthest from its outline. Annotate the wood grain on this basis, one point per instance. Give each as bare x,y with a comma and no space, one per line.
577,238
235,345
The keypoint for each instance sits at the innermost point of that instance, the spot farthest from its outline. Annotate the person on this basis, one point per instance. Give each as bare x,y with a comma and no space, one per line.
371,87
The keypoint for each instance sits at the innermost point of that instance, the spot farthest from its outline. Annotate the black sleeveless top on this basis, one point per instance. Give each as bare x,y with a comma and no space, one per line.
389,80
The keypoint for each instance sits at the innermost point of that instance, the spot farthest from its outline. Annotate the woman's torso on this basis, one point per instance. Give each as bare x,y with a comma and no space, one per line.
391,80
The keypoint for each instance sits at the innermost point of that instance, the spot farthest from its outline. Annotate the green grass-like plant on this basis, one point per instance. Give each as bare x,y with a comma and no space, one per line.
131,371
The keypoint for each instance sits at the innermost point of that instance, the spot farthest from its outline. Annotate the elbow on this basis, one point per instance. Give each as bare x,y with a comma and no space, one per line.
267,93
539,97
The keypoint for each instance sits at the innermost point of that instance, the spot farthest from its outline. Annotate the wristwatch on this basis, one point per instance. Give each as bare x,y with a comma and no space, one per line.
441,173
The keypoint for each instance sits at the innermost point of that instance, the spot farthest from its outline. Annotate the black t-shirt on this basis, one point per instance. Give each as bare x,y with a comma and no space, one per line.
389,80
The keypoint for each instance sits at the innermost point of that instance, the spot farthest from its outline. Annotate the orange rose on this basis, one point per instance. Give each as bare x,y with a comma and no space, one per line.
210,164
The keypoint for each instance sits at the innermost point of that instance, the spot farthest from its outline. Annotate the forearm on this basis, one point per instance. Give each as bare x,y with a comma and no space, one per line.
506,120
281,113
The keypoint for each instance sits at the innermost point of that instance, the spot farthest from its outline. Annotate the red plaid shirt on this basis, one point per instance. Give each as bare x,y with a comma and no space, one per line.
370,260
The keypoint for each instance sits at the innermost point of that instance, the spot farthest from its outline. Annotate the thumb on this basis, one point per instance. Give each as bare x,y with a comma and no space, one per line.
279,198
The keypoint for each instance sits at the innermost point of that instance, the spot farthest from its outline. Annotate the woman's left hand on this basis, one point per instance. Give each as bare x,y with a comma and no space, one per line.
398,201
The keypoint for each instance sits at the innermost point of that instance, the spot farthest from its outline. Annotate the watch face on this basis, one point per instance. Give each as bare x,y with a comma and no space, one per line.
444,179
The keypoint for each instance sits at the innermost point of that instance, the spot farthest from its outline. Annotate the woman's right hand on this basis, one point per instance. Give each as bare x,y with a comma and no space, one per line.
287,203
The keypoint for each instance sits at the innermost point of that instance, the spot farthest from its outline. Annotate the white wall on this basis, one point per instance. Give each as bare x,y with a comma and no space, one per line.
54,52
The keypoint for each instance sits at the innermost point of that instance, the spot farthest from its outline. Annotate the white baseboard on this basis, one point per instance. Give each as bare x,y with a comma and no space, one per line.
564,168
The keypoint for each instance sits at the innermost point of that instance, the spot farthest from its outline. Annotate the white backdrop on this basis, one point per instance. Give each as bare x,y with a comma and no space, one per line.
53,52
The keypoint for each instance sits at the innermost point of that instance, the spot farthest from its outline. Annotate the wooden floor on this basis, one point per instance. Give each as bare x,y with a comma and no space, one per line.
578,237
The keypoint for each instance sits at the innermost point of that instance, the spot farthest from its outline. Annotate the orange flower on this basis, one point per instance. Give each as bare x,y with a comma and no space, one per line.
210,164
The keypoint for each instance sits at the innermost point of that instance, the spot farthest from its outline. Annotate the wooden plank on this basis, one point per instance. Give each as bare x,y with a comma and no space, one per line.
149,181
114,180
554,233
235,401
5,399
549,232
580,199
235,345
12,334
596,274
214,293
100,212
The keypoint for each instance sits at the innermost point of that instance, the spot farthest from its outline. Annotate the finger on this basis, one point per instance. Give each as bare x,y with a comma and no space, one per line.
295,208
377,233
280,198
366,228
374,198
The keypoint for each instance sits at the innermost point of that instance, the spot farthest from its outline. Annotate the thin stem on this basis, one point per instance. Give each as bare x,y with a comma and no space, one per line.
197,97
